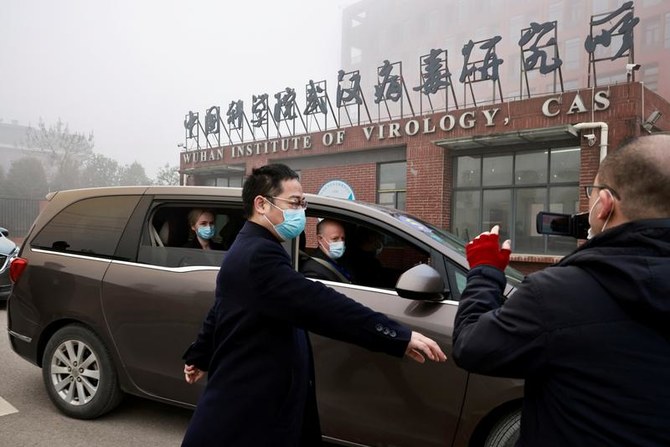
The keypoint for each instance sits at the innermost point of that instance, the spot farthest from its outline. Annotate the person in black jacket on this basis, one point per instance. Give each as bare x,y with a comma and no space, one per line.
253,343
591,334
325,262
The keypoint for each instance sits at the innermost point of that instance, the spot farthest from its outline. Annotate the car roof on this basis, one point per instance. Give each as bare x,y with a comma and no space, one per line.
370,210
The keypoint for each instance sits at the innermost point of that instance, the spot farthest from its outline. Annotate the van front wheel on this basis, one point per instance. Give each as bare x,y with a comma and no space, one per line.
79,374
506,432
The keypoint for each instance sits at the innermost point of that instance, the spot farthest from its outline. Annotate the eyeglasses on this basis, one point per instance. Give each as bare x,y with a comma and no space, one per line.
293,203
588,189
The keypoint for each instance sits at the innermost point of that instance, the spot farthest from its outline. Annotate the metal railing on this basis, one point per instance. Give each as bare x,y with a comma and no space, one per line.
17,215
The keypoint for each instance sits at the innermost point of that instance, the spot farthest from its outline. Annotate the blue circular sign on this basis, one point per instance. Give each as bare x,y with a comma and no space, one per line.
337,189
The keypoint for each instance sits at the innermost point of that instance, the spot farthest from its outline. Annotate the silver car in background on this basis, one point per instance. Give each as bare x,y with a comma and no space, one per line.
8,250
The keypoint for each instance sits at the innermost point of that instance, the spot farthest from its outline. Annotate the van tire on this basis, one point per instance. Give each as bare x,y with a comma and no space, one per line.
79,374
506,432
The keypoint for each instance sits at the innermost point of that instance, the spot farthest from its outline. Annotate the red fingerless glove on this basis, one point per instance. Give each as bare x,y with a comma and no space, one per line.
485,250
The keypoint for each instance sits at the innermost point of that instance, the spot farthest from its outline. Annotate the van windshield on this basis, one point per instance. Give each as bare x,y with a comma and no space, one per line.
445,238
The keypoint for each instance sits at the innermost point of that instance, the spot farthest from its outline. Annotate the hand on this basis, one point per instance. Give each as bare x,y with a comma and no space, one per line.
484,250
420,345
192,374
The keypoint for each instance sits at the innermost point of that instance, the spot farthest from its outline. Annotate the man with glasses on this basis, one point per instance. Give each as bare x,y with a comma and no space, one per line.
253,342
591,334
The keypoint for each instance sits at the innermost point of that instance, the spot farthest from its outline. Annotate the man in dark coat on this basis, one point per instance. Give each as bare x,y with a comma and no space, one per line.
590,335
325,262
253,342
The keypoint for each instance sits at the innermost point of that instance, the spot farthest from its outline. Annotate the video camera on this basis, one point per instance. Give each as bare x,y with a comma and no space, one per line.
557,224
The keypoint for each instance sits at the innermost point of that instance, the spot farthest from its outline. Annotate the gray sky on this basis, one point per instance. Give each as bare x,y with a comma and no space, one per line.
129,70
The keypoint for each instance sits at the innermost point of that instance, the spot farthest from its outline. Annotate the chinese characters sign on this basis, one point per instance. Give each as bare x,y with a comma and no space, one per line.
610,37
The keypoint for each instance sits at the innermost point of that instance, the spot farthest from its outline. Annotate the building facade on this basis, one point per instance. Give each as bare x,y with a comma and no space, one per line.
465,167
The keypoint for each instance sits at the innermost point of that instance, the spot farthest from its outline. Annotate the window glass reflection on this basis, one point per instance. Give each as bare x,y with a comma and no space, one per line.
565,165
497,170
497,210
466,216
468,171
529,202
531,168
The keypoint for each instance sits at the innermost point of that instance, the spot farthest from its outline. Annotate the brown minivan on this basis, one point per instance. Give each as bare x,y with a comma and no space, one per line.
107,298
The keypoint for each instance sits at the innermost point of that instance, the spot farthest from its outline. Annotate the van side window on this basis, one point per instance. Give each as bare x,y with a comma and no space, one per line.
169,240
89,227
372,257
378,259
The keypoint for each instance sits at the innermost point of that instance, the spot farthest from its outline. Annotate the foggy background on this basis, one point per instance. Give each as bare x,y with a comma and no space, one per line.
129,71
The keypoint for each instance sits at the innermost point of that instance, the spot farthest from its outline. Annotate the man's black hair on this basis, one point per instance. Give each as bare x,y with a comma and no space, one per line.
265,181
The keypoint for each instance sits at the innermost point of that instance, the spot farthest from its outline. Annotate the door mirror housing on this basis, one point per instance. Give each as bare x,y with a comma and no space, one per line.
421,282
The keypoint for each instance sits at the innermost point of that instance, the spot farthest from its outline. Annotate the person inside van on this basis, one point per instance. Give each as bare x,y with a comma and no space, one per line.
326,263
203,230
364,258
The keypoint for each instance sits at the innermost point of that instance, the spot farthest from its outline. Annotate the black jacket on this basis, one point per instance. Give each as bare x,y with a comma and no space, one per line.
254,345
590,336
194,243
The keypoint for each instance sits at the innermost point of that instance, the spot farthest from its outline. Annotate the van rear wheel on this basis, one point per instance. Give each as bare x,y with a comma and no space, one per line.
79,374
506,432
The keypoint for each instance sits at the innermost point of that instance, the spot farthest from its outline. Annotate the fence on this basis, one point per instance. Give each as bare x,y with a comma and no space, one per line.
17,215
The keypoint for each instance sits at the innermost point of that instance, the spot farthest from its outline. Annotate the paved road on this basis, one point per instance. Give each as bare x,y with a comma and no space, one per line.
27,417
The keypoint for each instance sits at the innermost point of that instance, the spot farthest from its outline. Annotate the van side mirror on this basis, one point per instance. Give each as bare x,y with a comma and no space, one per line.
4,232
421,282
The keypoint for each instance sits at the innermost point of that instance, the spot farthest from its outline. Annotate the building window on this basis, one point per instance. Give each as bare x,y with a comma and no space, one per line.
232,181
650,77
600,7
510,189
356,55
573,51
392,184
358,19
555,11
652,32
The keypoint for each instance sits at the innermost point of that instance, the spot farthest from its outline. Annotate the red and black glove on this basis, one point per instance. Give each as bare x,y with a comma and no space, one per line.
485,250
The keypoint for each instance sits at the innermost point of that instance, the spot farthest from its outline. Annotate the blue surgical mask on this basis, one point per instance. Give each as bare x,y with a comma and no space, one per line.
293,224
206,232
336,249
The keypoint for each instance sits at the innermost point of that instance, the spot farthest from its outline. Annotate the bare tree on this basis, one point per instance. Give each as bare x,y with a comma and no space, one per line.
67,151
168,175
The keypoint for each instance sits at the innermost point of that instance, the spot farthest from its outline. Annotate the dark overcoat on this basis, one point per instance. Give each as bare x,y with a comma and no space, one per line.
591,336
254,345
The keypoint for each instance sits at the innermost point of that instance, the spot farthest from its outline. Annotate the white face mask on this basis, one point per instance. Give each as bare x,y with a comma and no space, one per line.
590,232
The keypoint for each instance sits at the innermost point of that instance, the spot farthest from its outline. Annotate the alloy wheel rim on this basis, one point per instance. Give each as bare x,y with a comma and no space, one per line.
75,372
